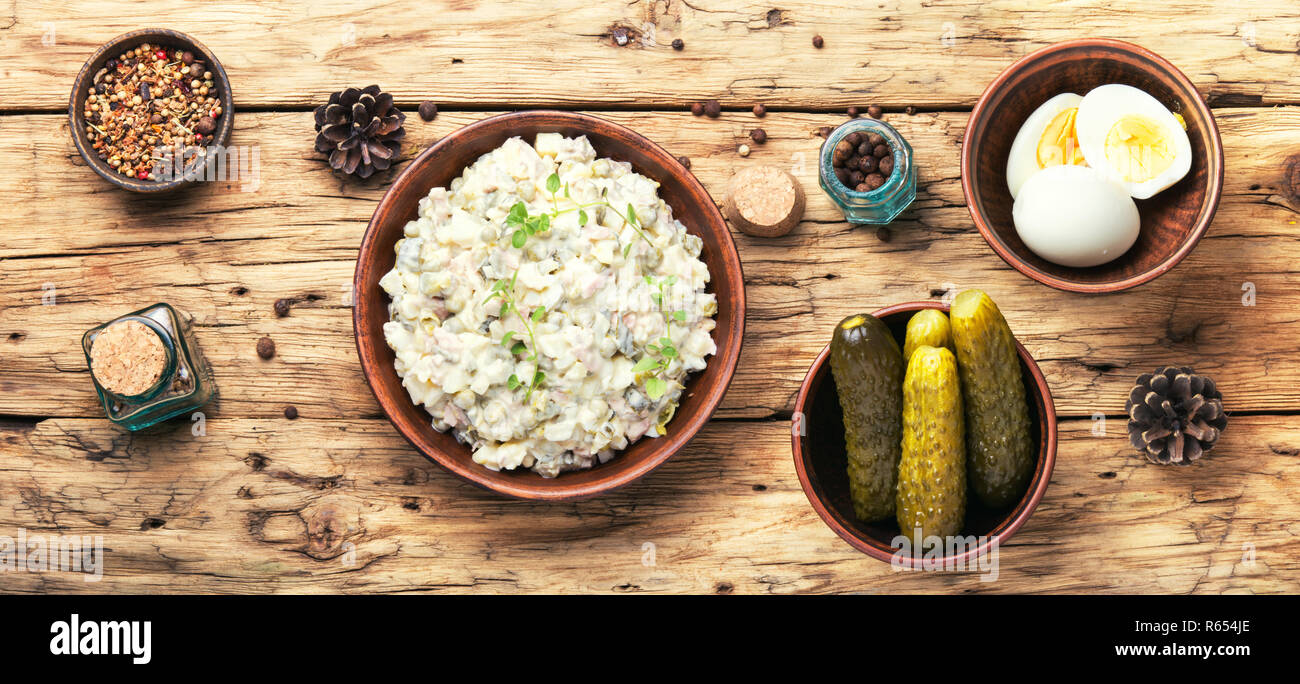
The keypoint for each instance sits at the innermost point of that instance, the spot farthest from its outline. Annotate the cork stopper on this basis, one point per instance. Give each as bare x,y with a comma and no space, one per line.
127,358
764,201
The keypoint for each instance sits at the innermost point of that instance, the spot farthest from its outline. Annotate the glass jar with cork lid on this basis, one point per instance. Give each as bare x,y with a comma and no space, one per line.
147,368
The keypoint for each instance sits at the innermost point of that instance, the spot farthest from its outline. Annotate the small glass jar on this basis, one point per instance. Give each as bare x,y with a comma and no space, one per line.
885,203
184,382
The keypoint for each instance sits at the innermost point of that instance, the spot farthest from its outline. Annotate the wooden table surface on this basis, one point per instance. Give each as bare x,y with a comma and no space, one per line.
336,501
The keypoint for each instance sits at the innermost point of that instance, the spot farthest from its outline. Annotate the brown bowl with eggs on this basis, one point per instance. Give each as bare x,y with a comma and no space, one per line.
1092,165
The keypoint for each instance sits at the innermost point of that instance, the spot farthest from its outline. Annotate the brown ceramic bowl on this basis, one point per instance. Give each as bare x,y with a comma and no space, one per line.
1172,221
444,161
172,40
821,463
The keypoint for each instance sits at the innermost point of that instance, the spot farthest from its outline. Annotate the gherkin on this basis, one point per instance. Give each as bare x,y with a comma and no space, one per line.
932,472
927,327
868,370
998,444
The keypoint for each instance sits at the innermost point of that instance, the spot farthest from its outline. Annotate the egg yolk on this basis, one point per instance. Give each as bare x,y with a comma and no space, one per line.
1059,144
1138,148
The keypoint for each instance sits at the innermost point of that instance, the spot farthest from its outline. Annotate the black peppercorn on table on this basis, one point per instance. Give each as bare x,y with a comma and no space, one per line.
245,499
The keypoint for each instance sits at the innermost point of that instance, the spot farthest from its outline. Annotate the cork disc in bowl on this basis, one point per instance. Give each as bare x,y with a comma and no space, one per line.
764,201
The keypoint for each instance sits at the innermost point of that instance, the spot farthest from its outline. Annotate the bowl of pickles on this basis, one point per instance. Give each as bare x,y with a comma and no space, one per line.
925,434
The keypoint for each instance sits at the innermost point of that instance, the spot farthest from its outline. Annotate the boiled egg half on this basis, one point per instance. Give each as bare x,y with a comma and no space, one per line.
1046,139
1074,216
1132,139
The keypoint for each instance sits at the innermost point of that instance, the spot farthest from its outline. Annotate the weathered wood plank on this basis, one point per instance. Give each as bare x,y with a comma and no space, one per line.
936,54
296,193
337,502
275,506
107,252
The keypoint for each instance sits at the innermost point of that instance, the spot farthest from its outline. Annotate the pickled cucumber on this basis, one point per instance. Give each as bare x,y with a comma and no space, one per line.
932,472
927,327
868,370
1000,455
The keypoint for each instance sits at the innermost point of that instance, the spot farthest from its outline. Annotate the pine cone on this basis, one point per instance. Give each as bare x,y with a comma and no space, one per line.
1175,416
360,130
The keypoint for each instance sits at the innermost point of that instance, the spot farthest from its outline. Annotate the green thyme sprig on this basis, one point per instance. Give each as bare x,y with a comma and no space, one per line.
629,219
527,225
504,291
657,382
530,225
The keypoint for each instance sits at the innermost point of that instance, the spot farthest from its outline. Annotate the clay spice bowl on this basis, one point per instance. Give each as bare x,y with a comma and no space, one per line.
821,462
691,204
171,41
1171,222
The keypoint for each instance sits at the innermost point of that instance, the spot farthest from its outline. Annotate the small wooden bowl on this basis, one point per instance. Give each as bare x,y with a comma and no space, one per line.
173,40
821,462
1172,221
444,161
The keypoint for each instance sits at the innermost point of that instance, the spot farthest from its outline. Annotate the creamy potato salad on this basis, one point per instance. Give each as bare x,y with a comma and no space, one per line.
547,308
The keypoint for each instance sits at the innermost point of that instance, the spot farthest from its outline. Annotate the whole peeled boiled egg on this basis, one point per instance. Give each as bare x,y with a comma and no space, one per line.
1132,139
1047,138
1074,216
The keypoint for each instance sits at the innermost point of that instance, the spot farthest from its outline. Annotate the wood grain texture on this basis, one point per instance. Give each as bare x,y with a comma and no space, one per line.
226,256
346,506
933,54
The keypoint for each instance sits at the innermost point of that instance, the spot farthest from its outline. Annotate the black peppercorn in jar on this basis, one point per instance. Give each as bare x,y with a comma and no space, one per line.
147,368
866,167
